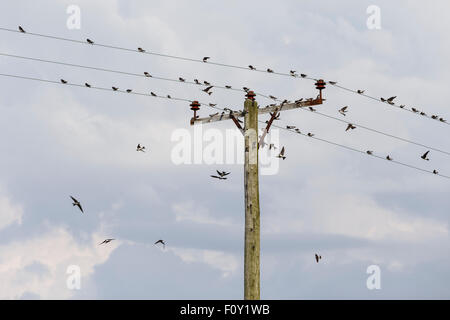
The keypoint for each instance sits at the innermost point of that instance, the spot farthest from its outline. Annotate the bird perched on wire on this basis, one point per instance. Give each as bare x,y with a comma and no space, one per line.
303,75
115,88
435,172
206,83
350,126
228,87
90,41
360,91
270,70
442,120
318,257
147,74
292,72
129,90
63,81
343,110
414,110
106,241
281,154
391,99
424,156
213,104
87,85
402,106
140,148
153,94
181,79
162,242
196,81
332,82
369,152
245,89
169,97
297,130
389,158
383,99
422,113
272,97
206,90
310,134
290,127
205,59
252,67
21,29
77,203
141,50
312,109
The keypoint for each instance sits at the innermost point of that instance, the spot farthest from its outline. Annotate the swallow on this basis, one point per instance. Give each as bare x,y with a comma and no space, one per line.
318,257
222,173
140,148
219,177
206,83
383,99
343,110
298,101
312,109
290,127
389,158
90,41
402,106
196,81
281,154
310,134
106,241
369,152
391,99
442,120
435,172
129,90
21,29
252,67
213,104
245,89
169,97
87,85
350,126
162,242
206,90
424,156
297,130
205,59
434,117
272,97
332,82
414,110
423,113
360,91
228,87
292,72
391,103
153,94
63,81
77,203
141,50
181,79
270,70
303,75
147,74
115,88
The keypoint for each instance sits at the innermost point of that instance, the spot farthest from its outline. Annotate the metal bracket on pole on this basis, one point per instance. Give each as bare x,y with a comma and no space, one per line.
236,122
266,130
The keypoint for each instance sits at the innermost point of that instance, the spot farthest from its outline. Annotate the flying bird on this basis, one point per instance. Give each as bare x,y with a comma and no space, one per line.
77,203
63,81
206,90
162,242
90,41
205,59
343,110
141,50
424,156
140,148
106,241
318,257
222,173
218,177
21,29
350,126
281,155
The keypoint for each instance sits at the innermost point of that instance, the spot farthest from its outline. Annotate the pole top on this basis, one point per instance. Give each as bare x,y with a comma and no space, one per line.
250,95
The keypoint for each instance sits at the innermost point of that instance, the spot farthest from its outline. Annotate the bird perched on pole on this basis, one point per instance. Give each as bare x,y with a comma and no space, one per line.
77,203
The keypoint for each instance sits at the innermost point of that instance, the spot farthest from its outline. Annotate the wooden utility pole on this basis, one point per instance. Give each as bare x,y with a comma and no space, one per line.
252,217
251,178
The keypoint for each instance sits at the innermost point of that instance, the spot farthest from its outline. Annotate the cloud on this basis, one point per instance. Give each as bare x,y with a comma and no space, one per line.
10,213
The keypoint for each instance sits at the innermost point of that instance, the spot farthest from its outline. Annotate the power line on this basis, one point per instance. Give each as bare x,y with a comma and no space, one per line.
292,75
215,107
220,87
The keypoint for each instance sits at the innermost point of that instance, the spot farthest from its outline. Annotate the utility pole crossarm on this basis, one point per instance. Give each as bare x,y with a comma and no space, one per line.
269,109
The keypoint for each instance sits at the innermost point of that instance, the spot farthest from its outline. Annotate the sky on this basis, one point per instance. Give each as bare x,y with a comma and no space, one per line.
355,211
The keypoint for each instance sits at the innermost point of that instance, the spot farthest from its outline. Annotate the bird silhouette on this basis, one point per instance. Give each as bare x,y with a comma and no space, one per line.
77,203
281,154
63,81
87,85
129,90
303,75
434,117
106,241
141,50
147,74
181,79
389,158
402,106
213,104
140,148
115,88
205,59
252,67
369,152
332,82
391,99
383,99
222,173
272,97
169,97
435,172
206,90
218,177
270,70
360,91
162,242
90,41
318,257
312,109
415,110
245,89
21,29
206,83
310,134
290,127
153,94
297,130
424,156
292,72
350,126
228,87
196,81
343,110
442,120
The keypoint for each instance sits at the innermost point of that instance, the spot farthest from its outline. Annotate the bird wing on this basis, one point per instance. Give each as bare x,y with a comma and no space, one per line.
74,200
282,152
425,154
79,206
215,177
